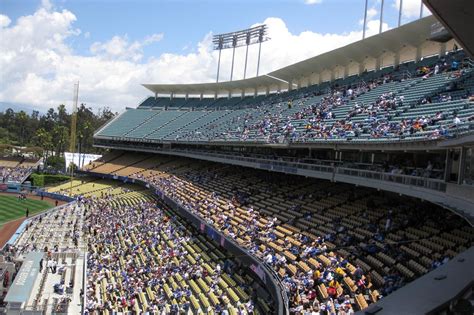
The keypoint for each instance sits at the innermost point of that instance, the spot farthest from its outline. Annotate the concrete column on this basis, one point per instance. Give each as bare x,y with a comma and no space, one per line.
318,80
442,49
267,92
447,165
378,62
200,97
361,67
156,96
333,74
186,96
418,54
462,163
243,94
346,70
171,96
290,85
255,93
396,59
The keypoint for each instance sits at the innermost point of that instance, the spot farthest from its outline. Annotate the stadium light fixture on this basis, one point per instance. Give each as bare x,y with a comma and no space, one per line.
365,19
381,16
250,36
400,13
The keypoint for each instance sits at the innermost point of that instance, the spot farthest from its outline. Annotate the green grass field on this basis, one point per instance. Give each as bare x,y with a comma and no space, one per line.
11,208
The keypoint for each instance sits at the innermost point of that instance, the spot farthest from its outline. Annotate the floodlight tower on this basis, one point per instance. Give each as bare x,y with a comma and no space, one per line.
247,41
254,35
262,32
381,16
220,45
234,44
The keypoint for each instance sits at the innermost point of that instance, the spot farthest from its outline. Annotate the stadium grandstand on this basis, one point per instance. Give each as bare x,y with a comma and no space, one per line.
341,184
16,169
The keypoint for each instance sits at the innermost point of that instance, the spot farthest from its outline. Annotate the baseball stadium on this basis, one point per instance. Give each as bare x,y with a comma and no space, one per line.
340,184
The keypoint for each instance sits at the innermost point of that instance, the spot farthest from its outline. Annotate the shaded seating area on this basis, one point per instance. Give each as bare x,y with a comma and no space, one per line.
333,245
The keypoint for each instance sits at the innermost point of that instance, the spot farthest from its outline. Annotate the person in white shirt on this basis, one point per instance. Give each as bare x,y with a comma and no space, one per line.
456,120
269,259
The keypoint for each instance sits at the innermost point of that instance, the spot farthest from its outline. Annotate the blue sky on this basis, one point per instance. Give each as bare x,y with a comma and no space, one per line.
159,41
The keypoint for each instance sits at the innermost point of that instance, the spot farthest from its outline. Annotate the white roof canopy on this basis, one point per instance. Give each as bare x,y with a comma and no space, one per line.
414,34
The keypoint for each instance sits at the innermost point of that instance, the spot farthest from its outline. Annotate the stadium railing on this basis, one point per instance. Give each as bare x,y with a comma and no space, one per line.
429,183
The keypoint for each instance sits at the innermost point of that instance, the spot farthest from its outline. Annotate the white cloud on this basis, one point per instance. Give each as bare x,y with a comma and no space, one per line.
371,13
119,48
4,21
312,1
410,8
46,4
38,66
153,39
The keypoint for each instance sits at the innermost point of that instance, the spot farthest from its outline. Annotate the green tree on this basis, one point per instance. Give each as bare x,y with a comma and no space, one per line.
44,139
51,130
60,136
21,121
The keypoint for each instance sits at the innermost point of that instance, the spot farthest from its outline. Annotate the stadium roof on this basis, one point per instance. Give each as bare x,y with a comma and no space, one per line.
413,34
456,16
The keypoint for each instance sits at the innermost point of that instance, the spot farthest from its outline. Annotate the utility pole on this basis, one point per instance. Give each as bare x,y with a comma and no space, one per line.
72,144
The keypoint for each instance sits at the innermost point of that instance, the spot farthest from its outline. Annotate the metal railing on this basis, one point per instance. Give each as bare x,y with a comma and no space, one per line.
300,167
292,167
424,182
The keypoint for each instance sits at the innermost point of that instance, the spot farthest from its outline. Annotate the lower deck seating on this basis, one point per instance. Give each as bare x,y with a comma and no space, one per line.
354,244
149,260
